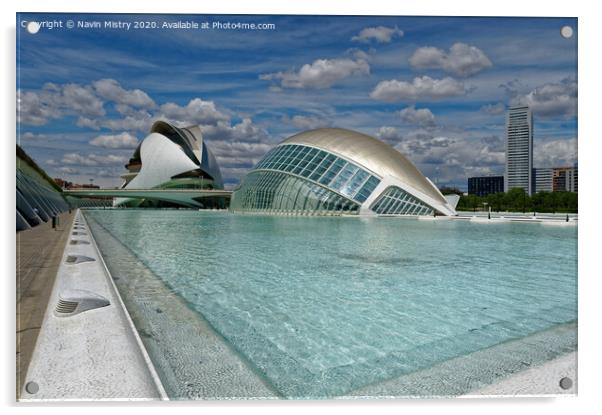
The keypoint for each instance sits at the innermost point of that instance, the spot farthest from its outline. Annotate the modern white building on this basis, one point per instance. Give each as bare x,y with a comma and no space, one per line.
171,158
519,149
544,180
331,171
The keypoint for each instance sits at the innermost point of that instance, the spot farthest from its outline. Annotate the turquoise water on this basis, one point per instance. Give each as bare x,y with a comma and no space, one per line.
323,306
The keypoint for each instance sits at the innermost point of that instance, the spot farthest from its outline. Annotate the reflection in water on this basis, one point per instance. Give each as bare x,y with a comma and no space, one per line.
323,306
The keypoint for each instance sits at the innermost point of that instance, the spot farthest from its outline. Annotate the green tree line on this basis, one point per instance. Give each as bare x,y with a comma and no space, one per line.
516,200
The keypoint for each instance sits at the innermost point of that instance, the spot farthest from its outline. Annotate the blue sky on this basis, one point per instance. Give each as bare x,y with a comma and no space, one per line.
433,87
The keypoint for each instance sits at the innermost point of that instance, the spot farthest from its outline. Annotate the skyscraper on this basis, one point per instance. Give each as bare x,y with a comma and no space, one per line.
519,149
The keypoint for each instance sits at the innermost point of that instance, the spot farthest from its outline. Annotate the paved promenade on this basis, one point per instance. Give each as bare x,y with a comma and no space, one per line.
39,253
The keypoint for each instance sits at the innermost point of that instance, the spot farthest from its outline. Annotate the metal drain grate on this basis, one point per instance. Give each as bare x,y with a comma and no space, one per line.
78,233
79,242
66,307
78,259
72,302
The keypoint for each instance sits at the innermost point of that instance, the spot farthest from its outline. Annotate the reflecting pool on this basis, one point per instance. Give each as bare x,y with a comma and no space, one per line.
320,307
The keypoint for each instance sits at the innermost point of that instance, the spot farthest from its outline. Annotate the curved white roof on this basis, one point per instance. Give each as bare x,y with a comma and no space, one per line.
372,154
192,143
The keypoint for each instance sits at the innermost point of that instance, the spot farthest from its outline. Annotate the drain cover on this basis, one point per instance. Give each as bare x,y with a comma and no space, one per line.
79,242
72,302
78,259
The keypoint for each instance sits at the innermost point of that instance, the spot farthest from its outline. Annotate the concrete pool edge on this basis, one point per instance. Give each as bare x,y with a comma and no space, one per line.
531,381
132,327
91,355
512,360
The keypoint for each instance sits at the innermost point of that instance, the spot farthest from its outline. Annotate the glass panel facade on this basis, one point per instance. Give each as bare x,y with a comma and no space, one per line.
276,192
322,167
395,201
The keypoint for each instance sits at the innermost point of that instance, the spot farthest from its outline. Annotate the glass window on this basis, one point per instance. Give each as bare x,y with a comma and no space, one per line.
322,167
344,176
352,186
395,201
332,171
319,171
275,191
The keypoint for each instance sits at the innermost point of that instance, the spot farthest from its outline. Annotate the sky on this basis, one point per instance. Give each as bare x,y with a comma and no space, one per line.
435,88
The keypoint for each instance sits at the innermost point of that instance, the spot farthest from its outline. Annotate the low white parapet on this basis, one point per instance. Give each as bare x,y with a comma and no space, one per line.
88,351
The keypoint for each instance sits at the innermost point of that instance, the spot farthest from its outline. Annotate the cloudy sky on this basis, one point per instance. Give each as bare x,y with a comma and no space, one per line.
435,88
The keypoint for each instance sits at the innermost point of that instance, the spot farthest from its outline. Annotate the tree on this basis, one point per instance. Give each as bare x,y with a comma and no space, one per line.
516,200
495,200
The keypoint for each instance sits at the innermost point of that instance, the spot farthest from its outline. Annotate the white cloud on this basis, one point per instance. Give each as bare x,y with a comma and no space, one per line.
450,159
305,122
33,110
68,170
412,143
111,90
551,99
130,123
236,158
388,134
555,153
453,159
29,136
123,140
86,122
357,53
239,153
244,131
109,173
381,34
461,60
196,111
54,101
77,159
513,88
422,117
322,73
138,121
420,88
82,100
494,109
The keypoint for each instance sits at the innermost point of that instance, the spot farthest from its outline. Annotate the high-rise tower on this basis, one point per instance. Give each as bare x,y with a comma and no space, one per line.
519,149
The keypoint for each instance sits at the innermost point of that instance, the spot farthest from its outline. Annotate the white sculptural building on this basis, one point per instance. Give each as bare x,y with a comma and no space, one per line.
172,158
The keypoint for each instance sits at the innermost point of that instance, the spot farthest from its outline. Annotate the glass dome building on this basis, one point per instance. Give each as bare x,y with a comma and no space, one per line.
333,171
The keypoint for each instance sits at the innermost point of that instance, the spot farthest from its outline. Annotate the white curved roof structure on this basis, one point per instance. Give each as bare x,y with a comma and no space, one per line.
336,170
373,154
172,158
